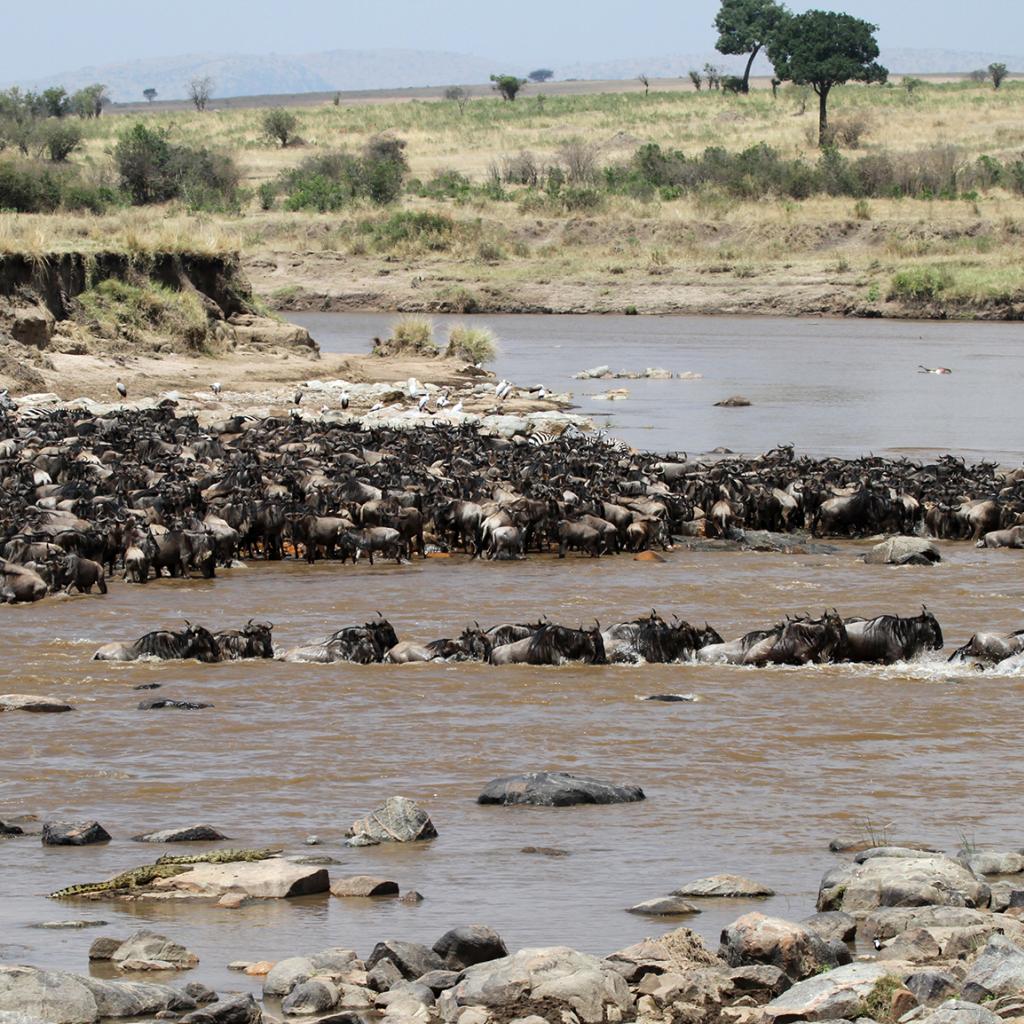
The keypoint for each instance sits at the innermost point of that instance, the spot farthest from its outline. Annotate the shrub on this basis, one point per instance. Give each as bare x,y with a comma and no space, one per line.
508,86
459,95
520,169
576,200
472,344
445,184
28,188
120,309
580,160
59,138
426,230
267,194
410,336
846,131
327,181
920,284
279,125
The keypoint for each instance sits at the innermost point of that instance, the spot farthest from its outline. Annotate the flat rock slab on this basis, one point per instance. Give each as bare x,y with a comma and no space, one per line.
266,879
188,834
29,702
903,551
733,887
68,833
557,789
665,906
836,994
364,885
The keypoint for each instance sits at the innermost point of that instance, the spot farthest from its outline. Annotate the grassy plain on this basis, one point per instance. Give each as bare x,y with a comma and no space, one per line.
704,251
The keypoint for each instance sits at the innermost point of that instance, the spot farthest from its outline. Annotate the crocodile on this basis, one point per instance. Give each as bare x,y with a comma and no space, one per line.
165,867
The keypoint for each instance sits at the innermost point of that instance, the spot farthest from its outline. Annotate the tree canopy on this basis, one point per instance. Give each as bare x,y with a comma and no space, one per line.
744,27
508,85
824,49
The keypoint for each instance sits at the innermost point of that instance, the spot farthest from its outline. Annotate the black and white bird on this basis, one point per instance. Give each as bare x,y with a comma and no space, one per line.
422,404
344,399
216,388
121,389
876,942
543,393
442,401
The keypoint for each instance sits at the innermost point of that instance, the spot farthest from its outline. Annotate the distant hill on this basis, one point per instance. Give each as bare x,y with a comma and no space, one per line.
274,74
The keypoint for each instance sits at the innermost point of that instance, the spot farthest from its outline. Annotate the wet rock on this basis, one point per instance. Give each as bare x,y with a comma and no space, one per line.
998,971
362,840
239,1010
266,879
473,944
836,994
956,1011
439,981
7,829
188,834
397,820
314,996
757,939
594,373
104,947
545,851
70,925
179,705
146,945
906,852
384,975
591,987
993,862
672,698
556,789
200,993
286,974
364,885
31,702
665,906
733,402
677,951
760,978
53,996
931,987
136,998
903,551
411,958
832,924
900,882
725,887
412,896
66,833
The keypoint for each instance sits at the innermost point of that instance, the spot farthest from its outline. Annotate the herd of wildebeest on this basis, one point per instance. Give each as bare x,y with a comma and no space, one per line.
148,493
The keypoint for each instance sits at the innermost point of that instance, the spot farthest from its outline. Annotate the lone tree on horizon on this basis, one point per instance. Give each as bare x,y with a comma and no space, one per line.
745,27
150,94
200,90
823,49
508,86
997,72
541,75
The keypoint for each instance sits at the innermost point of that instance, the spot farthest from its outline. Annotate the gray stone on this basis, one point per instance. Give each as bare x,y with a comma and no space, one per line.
473,944
956,1011
931,987
335,961
363,885
906,852
438,981
677,951
136,998
14,1017
74,925
397,820
590,986
832,924
65,833
724,887
146,945
188,834
556,789
903,551
405,990
200,993
31,702
384,976
288,973
104,947
760,978
837,993
885,922
265,879
665,906
993,862
734,402
757,939
901,882
411,958
997,971
238,1010
54,996
318,995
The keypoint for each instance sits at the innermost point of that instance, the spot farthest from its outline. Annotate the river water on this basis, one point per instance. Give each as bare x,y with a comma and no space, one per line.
836,387
755,777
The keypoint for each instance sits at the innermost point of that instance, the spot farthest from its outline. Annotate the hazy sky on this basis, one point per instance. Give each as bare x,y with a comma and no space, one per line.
70,35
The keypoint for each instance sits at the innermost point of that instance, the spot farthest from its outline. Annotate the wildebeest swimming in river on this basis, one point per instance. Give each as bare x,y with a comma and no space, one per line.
553,645
890,638
363,645
990,648
654,641
191,642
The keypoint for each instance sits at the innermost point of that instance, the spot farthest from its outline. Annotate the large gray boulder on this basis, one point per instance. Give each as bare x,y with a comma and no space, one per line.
678,951
997,971
397,820
993,862
832,925
556,789
239,1010
16,1017
287,973
135,998
901,882
265,879
757,939
77,833
835,994
469,945
318,995
53,996
412,959
885,922
903,551
146,945
724,887
956,1011
589,985
188,834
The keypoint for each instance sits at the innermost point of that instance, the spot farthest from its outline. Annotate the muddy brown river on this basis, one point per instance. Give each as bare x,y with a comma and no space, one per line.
755,777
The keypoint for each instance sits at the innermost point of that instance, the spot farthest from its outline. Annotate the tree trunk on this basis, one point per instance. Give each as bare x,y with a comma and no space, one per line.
823,115
746,74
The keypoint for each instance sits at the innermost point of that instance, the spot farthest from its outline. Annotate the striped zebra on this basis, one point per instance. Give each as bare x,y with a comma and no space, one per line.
615,443
542,438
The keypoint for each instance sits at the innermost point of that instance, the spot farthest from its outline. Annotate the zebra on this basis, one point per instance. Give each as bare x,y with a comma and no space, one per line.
615,443
542,438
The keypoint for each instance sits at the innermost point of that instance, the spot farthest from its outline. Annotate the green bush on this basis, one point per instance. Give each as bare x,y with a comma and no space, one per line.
920,284
59,138
279,125
472,344
28,188
426,230
412,335
328,181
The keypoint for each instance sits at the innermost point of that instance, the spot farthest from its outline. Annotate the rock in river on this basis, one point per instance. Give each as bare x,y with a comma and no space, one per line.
472,944
903,551
557,789
364,885
148,946
733,887
266,879
28,702
665,906
397,820
65,833
412,959
188,834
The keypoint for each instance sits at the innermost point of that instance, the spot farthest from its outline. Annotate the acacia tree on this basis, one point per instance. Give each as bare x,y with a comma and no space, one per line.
199,92
150,94
508,85
823,49
459,95
541,75
997,72
745,27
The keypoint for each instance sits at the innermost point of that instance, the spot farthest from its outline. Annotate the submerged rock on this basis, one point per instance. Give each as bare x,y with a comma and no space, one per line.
557,789
148,946
30,702
725,887
188,834
65,833
903,551
397,820
734,402
266,879
364,885
665,906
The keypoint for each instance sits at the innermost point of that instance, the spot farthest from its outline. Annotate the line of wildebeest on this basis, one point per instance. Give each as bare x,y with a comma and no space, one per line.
800,640
148,493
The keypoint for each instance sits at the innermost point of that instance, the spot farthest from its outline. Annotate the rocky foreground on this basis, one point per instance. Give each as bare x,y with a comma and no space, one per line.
944,939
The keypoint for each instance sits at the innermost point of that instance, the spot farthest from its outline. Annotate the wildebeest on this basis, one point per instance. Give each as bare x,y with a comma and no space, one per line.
553,645
363,645
652,640
253,640
990,648
889,638
191,642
